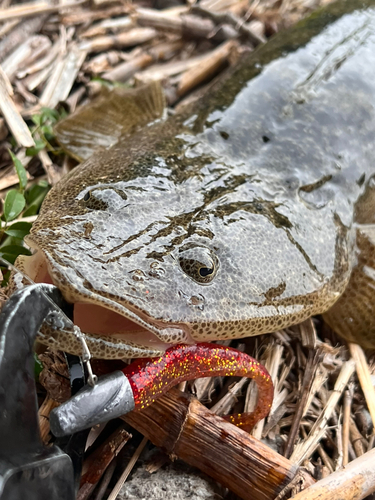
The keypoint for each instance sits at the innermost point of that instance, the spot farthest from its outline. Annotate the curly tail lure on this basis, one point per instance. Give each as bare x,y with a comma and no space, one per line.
145,380
153,377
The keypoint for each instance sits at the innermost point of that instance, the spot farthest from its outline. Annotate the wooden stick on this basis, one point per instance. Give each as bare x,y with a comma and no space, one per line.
364,377
355,481
183,427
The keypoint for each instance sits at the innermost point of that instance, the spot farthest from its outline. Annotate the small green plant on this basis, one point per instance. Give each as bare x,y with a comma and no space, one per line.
25,201
43,130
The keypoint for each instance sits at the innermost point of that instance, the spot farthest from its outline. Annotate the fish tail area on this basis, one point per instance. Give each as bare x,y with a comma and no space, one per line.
352,316
116,113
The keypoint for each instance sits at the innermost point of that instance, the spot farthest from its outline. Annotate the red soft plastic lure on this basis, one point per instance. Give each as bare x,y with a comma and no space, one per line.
152,377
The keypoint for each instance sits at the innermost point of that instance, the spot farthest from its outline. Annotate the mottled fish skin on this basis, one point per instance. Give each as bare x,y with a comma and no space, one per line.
235,217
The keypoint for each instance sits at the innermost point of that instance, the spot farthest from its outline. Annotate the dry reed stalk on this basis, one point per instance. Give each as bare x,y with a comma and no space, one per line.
47,406
208,67
34,9
124,23
127,69
89,16
128,470
356,438
31,50
301,408
355,482
271,360
161,71
136,36
304,449
20,34
183,427
13,118
345,427
364,377
96,464
63,77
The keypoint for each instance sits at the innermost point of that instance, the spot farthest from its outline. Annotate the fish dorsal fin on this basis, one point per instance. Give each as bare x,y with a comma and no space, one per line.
113,114
353,315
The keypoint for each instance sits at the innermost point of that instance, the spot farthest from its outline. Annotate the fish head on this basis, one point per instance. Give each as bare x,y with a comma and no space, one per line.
155,257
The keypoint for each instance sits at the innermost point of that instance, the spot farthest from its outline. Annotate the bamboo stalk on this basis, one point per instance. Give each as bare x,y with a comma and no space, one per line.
183,427
356,481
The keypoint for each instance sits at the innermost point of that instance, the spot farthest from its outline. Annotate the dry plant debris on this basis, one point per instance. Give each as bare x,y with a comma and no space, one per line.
57,56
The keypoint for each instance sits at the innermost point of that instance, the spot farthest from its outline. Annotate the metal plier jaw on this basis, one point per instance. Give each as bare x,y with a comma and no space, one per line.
28,469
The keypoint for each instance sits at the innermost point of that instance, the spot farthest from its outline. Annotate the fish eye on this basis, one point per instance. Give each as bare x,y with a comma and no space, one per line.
199,263
87,196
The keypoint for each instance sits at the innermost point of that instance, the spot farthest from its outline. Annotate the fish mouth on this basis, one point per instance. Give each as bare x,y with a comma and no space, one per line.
101,316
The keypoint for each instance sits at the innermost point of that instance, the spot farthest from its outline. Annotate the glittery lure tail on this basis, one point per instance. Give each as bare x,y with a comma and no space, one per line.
152,377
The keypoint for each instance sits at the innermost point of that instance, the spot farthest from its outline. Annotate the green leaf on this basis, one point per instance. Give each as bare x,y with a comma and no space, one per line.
11,252
49,114
20,169
37,119
34,150
19,229
13,205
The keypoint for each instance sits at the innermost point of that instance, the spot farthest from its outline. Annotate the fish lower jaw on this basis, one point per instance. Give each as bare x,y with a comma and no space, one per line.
110,331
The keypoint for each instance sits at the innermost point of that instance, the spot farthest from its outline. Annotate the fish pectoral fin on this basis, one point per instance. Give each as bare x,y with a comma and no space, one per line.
114,114
352,316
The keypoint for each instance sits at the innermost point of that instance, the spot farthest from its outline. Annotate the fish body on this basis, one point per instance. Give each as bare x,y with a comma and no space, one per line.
232,218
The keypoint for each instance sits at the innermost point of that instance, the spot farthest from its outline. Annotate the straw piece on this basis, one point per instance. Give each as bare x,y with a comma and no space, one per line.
34,9
128,470
111,25
63,77
28,52
304,450
44,411
345,426
11,115
20,33
130,38
364,377
208,67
